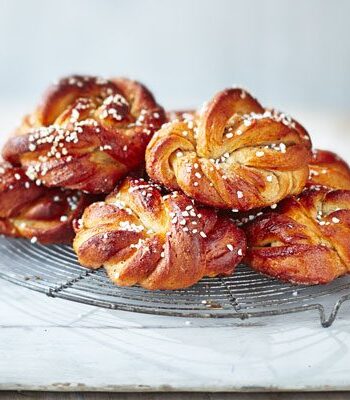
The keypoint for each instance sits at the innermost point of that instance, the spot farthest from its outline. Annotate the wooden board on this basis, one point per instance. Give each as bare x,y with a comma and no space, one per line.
172,396
52,344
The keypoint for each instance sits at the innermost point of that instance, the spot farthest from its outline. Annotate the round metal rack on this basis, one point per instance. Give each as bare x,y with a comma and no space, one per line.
54,270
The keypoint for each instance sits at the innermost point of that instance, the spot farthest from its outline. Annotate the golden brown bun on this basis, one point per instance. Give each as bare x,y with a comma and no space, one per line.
36,212
157,241
305,240
328,169
235,154
87,133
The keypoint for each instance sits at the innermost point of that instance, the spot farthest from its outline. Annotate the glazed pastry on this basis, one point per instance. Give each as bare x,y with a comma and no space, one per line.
305,240
157,241
233,154
328,169
87,133
35,212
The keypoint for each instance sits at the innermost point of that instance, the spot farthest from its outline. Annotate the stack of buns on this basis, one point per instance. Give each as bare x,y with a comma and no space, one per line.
162,199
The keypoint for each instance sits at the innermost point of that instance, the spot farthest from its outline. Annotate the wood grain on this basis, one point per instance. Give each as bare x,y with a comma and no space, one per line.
173,396
55,345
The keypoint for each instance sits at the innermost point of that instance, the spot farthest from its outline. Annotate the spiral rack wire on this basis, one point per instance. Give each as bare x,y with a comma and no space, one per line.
54,270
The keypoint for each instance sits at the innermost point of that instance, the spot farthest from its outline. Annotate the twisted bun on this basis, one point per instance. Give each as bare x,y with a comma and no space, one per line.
86,134
305,240
329,170
234,154
36,212
157,241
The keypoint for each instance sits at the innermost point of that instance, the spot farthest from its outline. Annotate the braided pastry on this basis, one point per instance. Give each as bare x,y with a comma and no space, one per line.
36,212
235,154
86,134
157,241
305,240
328,169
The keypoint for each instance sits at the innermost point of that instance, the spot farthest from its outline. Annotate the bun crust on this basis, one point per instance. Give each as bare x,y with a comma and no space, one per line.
306,239
233,154
157,241
35,212
329,170
87,133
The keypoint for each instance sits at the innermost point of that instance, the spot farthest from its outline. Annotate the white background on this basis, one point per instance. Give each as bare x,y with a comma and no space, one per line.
289,52
292,54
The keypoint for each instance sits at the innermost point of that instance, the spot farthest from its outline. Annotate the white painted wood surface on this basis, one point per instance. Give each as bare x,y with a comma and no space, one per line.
52,344
173,396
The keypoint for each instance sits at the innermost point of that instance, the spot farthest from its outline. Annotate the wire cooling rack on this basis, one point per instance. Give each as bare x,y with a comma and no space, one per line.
54,270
